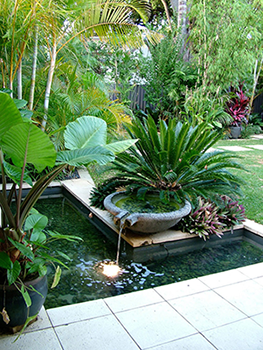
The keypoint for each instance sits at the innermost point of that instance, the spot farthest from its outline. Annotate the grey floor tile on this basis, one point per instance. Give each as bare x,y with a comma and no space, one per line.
223,278
259,280
42,322
95,334
78,312
155,324
246,296
39,340
206,310
133,300
179,289
193,342
241,335
252,271
258,319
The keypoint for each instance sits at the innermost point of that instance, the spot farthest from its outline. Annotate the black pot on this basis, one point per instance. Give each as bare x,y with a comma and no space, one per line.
235,132
13,302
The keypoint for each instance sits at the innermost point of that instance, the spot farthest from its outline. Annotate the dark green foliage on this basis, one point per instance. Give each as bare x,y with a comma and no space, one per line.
248,130
104,189
168,76
256,119
175,161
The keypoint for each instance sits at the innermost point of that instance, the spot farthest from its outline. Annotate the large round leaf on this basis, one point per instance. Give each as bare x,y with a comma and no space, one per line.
120,146
9,114
15,173
85,132
27,142
85,156
36,221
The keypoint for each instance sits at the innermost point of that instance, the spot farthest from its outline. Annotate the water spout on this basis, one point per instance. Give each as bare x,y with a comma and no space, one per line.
122,226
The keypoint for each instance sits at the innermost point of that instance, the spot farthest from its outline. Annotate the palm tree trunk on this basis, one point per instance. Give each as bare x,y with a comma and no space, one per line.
182,19
49,83
167,13
182,26
34,68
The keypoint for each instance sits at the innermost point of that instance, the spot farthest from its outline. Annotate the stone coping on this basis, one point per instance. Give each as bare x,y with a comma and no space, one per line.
81,190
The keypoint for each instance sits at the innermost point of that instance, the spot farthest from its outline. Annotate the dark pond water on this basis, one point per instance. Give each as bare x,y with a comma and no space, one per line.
82,282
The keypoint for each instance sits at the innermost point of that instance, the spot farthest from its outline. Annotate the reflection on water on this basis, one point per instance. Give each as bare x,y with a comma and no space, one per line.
83,282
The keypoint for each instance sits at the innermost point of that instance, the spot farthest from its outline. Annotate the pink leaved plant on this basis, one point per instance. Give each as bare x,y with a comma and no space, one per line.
237,106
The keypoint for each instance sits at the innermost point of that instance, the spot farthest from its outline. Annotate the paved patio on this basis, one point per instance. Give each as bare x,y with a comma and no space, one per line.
220,311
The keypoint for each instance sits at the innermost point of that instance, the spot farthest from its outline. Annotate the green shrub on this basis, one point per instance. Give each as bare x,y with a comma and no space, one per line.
248,130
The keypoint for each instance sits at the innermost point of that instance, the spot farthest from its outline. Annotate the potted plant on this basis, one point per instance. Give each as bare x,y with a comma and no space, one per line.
237,108
23,143
175,160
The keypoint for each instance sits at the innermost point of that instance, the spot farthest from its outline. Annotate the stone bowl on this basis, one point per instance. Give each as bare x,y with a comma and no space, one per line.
143,222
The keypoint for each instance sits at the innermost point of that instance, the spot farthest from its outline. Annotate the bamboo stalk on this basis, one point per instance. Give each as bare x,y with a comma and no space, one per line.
19,81
34,68
49,83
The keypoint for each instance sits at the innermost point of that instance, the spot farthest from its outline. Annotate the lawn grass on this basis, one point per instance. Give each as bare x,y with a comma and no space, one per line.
239,142
252,197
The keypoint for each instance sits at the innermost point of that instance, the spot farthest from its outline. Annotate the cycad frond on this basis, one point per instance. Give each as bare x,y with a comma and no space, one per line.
174,159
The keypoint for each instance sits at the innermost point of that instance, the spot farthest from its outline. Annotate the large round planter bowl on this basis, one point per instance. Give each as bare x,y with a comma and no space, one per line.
143,222
13,302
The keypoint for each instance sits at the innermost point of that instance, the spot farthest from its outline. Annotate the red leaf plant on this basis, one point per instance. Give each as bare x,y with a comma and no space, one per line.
237,106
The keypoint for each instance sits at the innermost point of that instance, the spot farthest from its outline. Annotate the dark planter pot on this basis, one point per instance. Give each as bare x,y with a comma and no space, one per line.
11,299
235,131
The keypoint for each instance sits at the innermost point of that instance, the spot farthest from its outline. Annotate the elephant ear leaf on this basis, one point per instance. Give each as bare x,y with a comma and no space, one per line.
85,156
85,132
120,146
9,114
26,142
15,174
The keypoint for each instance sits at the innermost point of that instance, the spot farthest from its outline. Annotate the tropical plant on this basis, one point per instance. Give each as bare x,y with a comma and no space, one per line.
226,41
231,212
175,160
80,97
22,143
29,27
237,106
203,221
167,77
208,219
249,130
201,106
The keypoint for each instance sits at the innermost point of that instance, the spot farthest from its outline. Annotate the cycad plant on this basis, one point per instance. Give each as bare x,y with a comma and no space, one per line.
176,159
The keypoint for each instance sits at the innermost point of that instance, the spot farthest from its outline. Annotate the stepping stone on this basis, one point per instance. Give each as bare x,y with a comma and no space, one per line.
256,147
258,137
235,148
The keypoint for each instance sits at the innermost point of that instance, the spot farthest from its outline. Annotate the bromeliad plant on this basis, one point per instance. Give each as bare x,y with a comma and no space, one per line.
23,143
204,221
208,219
231,212
175,160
